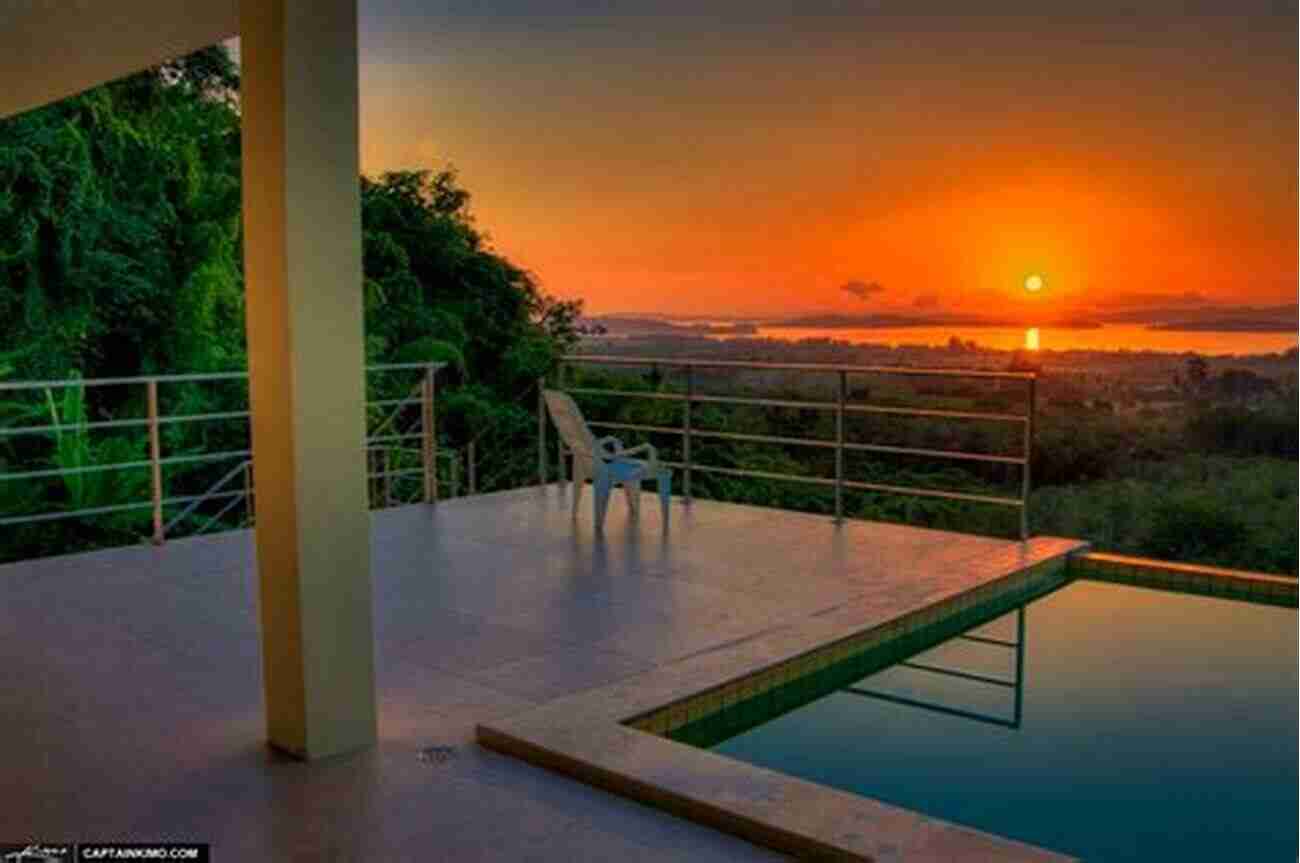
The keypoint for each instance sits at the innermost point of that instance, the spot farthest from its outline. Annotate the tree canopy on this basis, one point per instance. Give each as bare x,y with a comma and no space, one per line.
119,227
121,255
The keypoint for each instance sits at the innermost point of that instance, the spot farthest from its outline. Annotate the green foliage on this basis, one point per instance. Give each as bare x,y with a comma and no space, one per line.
1224,511
433,285
74,450
119,227
1236,429
120,255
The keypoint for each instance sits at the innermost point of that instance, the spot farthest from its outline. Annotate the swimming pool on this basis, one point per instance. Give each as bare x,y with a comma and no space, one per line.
1104,720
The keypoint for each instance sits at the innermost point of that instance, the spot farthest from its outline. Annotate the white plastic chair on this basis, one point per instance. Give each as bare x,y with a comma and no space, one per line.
606,462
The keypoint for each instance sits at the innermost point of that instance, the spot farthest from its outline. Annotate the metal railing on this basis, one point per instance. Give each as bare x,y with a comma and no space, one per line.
841,406
382,444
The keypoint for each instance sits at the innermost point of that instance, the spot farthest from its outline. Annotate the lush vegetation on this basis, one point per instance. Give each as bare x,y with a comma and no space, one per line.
120,255
1211,480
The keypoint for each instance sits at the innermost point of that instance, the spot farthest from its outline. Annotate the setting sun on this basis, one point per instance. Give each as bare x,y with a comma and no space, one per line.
1034,283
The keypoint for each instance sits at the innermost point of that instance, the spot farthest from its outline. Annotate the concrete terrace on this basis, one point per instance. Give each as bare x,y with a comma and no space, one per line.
131,703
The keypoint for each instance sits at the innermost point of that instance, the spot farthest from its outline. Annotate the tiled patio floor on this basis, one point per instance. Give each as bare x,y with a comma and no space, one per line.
130,700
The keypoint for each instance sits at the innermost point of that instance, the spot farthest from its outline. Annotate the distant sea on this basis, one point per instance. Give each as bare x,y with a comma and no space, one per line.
1111,337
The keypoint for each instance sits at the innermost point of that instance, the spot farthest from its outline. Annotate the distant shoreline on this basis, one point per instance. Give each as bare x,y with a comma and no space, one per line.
1277,319
1117,338
1225,327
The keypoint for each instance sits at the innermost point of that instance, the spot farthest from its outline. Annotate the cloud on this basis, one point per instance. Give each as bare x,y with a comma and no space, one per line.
861,290
926,301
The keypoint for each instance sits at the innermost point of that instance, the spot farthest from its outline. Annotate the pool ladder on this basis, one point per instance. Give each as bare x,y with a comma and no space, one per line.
1016,684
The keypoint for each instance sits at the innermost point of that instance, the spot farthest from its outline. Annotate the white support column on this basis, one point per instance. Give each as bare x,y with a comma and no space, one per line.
302,241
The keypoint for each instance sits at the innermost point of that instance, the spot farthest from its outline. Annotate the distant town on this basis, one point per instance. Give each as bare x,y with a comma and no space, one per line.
1119,380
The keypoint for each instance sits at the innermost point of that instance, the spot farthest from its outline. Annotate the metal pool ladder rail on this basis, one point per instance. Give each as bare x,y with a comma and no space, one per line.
1016,684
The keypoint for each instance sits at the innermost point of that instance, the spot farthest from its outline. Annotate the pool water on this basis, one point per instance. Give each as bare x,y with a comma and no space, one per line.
1107,721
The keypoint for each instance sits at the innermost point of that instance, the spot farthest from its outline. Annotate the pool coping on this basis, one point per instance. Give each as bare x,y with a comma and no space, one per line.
612,737
1192,578
607,736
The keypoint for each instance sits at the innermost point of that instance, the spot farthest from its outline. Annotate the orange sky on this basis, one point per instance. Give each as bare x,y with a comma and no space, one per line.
746,160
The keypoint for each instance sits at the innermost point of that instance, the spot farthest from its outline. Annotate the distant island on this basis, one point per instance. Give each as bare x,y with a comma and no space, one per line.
894,321
1192,318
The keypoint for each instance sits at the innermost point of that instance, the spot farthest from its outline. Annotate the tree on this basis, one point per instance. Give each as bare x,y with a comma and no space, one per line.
120,255
119,226
1198,374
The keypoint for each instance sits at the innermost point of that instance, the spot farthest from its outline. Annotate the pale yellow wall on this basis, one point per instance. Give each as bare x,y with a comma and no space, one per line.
302,260
51,49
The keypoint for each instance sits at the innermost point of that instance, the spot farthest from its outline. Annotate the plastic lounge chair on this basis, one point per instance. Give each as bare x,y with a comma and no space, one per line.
606,462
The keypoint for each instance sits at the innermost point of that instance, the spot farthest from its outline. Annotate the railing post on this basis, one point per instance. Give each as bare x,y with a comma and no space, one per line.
429,436
839,446
541,431
561,469
155,461
471,468
1028,454
248,489
388,488
686,433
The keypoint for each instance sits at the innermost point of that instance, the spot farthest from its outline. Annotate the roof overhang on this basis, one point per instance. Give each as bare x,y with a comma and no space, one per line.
51,49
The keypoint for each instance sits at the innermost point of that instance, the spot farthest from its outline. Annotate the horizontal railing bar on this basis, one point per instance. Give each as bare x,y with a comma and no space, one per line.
983,639
641,394
212,456
935,453
73,471
162,379
768,403
605,359
190,498
101,510
681,397
802,404
865,486
74,427
392,437
395,473
931,492
763,438
123,465
936,412
638,427
956,672
761,474
54,516
383,403
127,465
413,450
105,382
817,442
388,367
193,418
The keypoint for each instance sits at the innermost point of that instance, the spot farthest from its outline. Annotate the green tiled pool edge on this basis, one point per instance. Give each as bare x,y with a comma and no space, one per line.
1187,578
809,675
602,736
622,738
706,718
